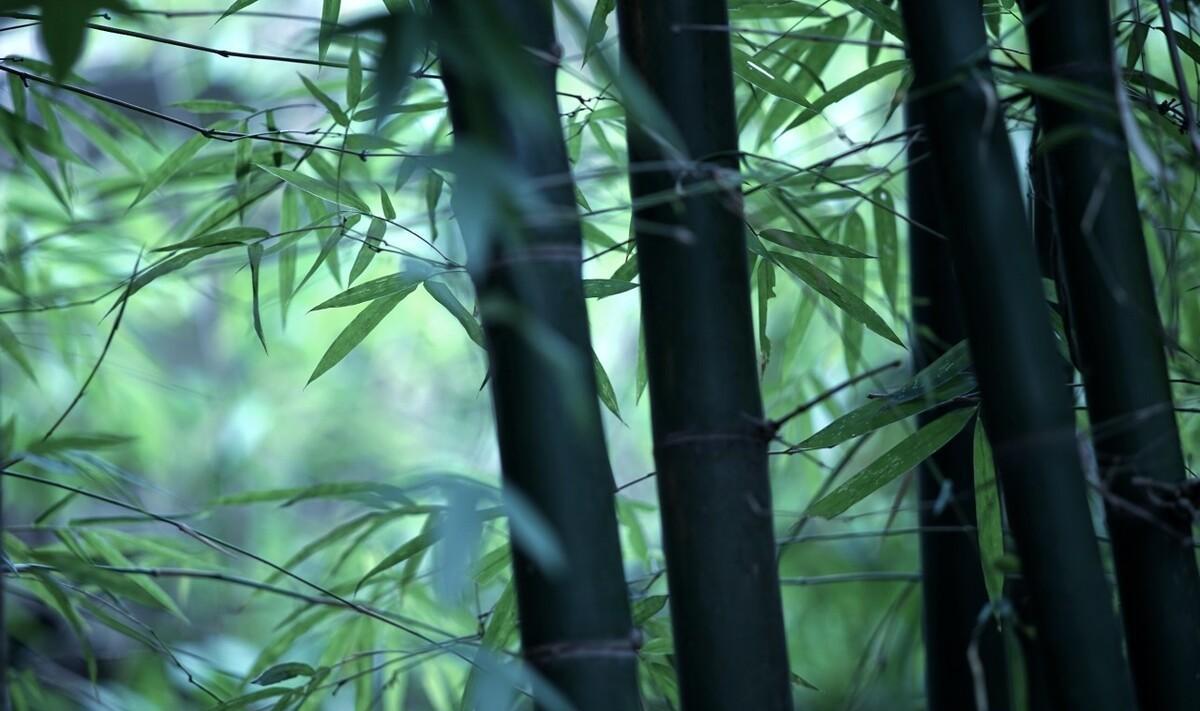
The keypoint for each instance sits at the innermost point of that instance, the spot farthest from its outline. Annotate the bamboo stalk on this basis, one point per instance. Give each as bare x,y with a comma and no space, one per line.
710,438
498,62
953,591
1028,412
1120,349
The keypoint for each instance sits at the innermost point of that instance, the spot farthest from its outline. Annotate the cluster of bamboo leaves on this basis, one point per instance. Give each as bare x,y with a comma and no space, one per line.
330,188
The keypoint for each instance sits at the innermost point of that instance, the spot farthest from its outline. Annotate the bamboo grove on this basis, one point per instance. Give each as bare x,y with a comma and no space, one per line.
655,354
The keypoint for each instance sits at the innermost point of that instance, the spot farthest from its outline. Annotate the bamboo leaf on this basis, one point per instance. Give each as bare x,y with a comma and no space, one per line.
283,672
812,245
766,291
330,10
600,288
754,73
327,101
854,275
847,88
842,297
230,237
442,294
212,106
418,544
12,346
896,461
887,245
170,166
604,387
388,211
988,518
317,188
647,607
237,5
400,282
353,334
598,26
369,248
255,252
354,77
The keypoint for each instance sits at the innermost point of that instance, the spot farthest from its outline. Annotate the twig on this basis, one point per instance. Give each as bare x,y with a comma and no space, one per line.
775,425
1189,111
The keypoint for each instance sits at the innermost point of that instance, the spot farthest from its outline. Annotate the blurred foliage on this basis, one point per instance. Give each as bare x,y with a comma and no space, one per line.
250,460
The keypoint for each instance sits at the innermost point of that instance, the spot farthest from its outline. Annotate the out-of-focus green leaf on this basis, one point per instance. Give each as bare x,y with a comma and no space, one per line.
851,86
170,166
231,236
283,672
330,10
330,105
598,26
419,543
12,346
765,282
254,253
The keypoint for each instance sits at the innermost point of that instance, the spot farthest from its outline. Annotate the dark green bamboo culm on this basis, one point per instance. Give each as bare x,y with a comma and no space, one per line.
953,590
710,440
575,623
1028,412
1120,349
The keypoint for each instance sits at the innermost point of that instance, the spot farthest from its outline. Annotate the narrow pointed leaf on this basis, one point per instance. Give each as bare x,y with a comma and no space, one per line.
363,324
896,461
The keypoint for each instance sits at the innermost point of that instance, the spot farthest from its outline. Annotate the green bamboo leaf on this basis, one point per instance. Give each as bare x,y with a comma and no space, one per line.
354,77
854,276
400,282
604,387
647,607
414,546
330,10
57,599
433,194
847,88
597,26
168,265
212,106
887,245
1137,42
812,245
369,248
317,188
842,297
283,672
641,378
773,9
231,237
330,105
254,253
600,288
766,291
988,518
237,5
12,346
442,294
896,461
388,211
100,138
755,73
170,166
79,441
353,334
880,14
